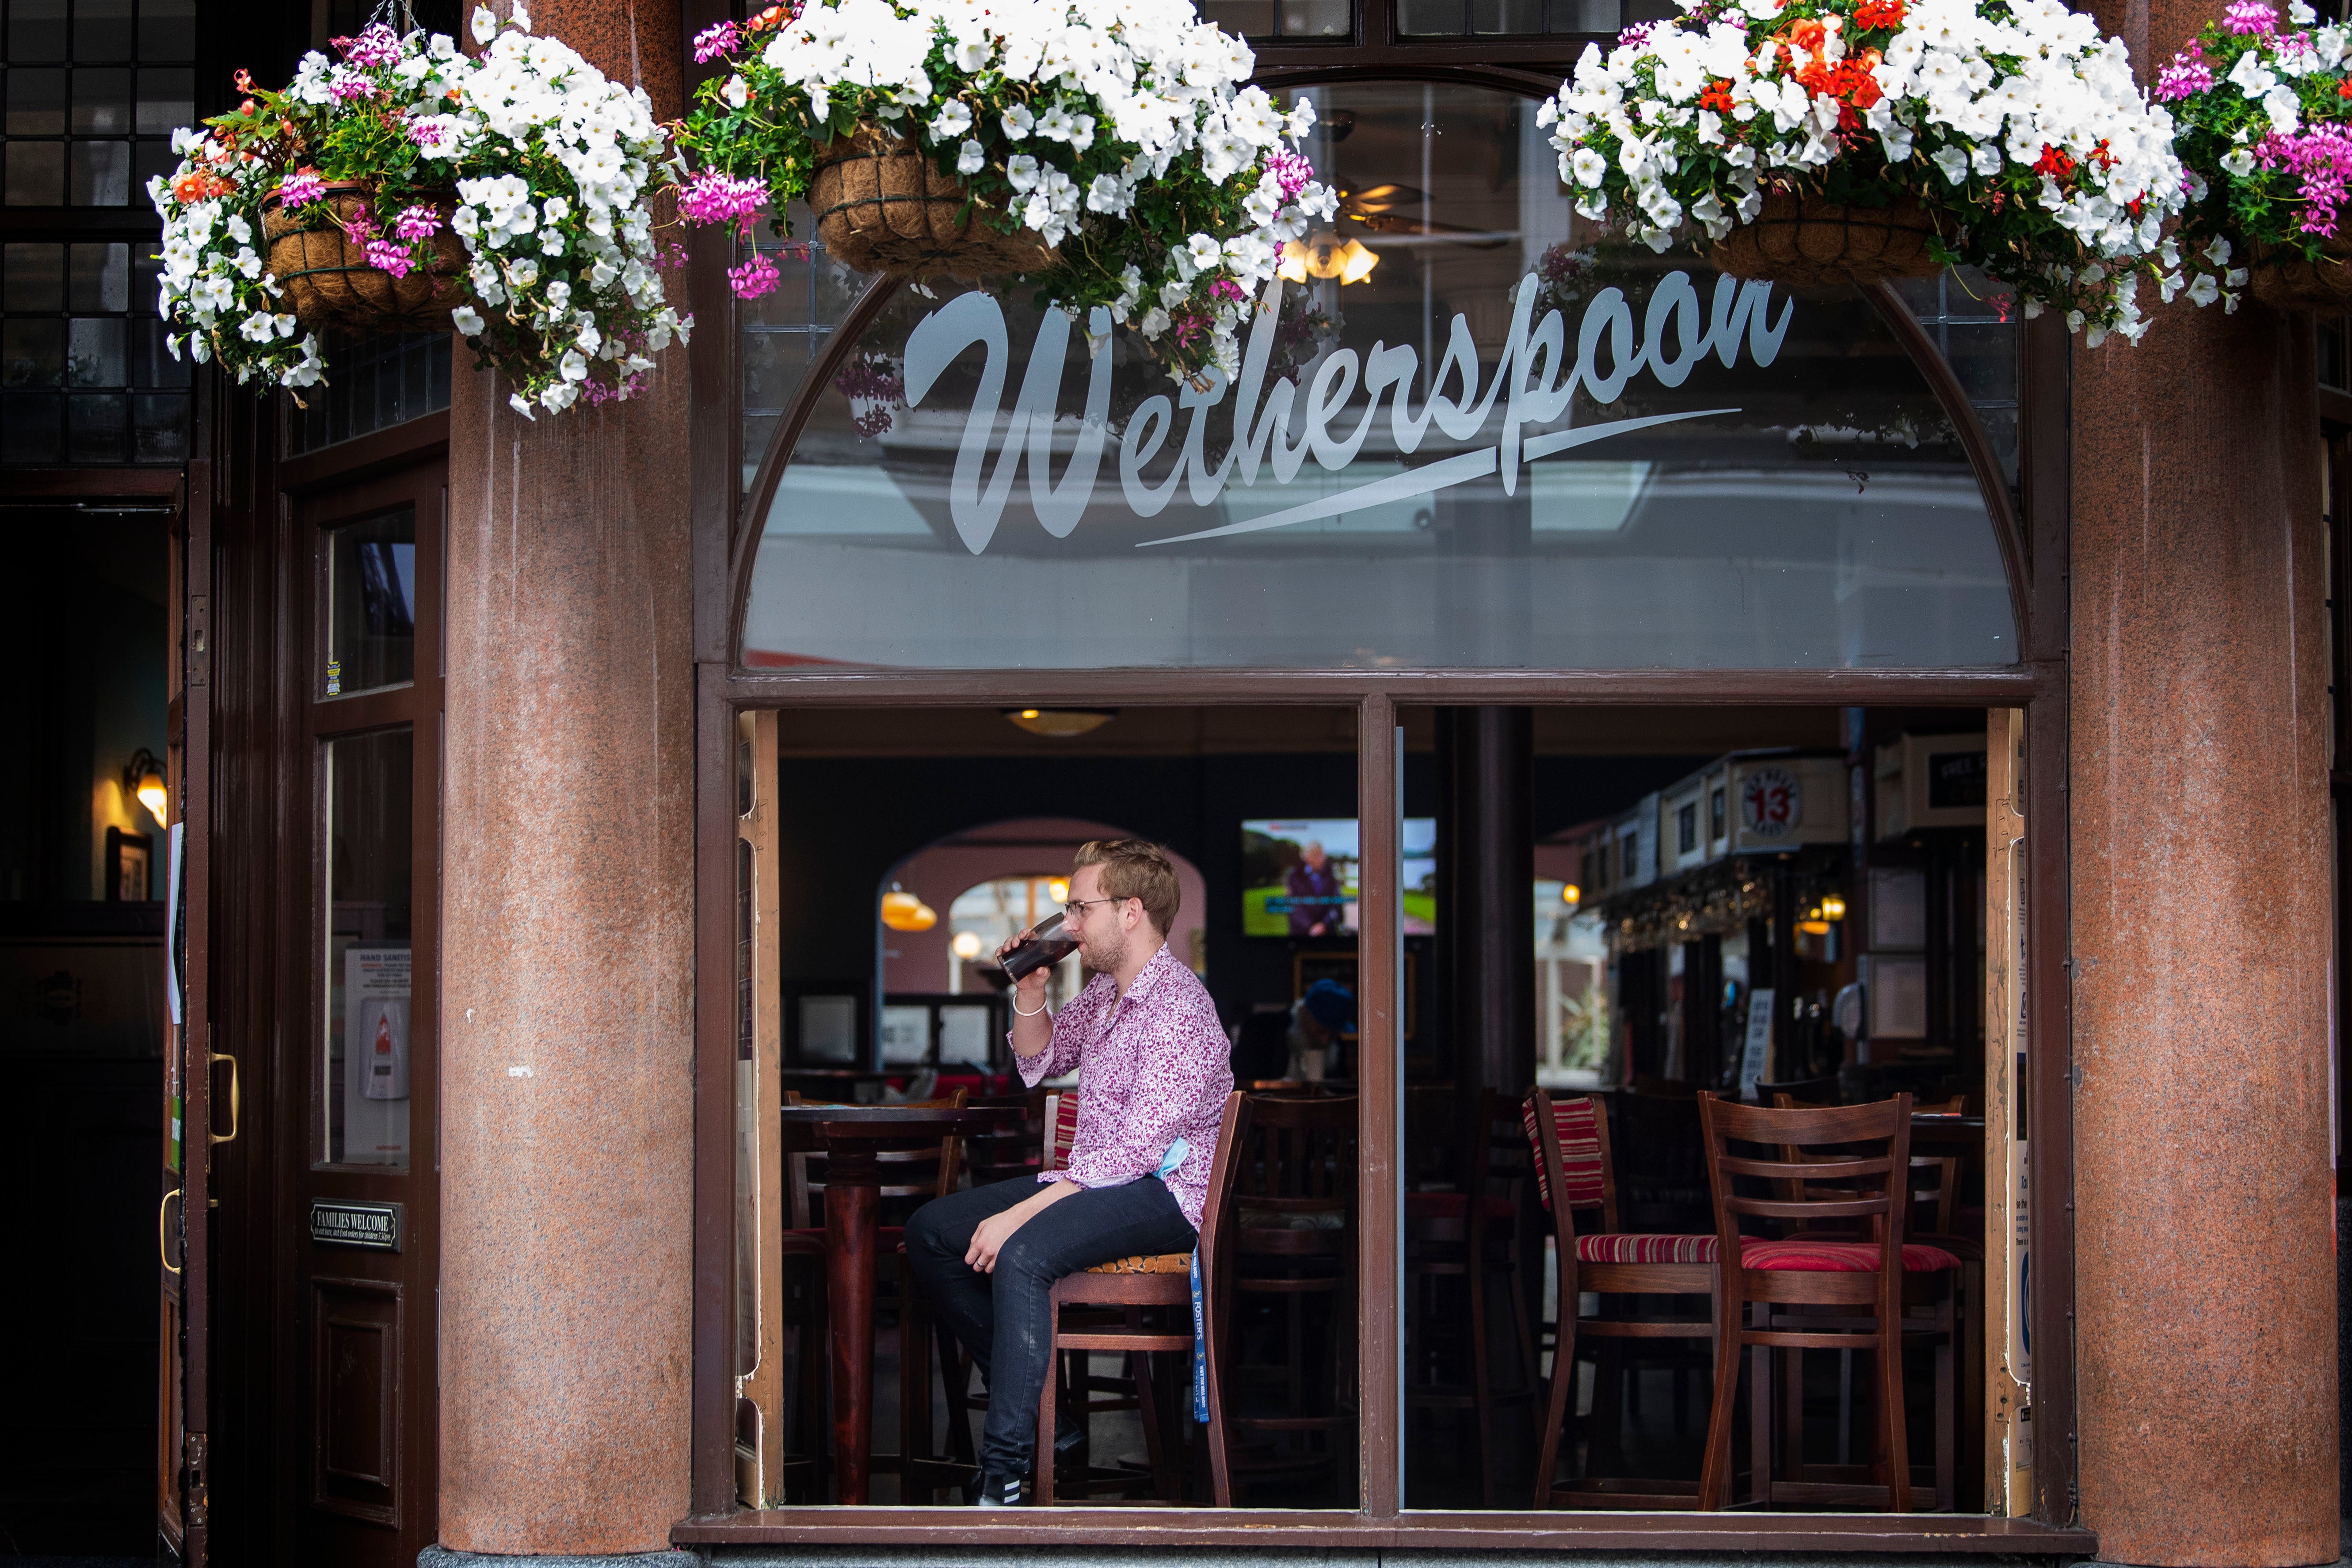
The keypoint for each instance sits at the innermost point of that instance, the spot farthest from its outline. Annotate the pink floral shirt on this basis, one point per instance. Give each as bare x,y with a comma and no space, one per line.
1153,1065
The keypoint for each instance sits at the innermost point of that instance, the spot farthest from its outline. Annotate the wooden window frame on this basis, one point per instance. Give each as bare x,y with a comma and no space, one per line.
2031,528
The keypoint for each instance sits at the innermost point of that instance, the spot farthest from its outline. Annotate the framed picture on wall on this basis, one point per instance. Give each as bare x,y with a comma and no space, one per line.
129,867
1306,968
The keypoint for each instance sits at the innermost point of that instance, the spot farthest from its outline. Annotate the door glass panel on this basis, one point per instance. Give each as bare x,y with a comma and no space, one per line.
365,1030
1472,431
371,604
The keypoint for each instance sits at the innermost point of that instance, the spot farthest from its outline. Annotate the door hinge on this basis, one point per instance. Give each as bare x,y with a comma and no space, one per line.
192,1478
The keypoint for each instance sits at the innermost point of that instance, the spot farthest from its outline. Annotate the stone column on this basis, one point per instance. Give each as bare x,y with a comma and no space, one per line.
2202,925
568,948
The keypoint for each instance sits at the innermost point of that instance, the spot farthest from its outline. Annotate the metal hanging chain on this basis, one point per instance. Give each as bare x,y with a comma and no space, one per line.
397,15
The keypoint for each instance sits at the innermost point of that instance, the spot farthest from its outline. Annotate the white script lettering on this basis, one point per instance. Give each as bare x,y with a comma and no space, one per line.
1534,382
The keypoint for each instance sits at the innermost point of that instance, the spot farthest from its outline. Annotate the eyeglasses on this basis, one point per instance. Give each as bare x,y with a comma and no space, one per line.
1077,908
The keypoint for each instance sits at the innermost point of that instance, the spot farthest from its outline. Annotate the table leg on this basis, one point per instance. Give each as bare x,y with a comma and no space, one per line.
849,1239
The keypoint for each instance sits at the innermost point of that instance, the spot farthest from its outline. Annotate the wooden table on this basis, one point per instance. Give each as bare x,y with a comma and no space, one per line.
850,1136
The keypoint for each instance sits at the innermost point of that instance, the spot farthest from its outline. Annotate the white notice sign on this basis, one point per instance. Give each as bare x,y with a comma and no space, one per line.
1754,1060
375,1054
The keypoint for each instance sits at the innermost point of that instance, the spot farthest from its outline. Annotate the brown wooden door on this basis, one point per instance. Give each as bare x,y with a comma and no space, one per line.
357,1353
183,1199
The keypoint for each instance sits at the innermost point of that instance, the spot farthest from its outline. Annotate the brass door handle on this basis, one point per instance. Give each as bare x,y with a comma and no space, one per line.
230,1135
162,1235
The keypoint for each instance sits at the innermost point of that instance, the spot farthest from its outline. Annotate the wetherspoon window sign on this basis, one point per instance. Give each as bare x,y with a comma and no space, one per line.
1487,439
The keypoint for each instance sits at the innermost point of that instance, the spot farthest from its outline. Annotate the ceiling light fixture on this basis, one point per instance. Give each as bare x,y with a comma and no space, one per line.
1061,723
1326,255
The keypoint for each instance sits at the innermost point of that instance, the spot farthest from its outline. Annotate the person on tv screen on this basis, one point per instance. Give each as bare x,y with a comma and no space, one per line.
1153,1073
1317,897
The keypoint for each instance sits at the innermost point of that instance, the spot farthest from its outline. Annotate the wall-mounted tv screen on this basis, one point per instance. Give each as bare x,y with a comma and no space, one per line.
1298,876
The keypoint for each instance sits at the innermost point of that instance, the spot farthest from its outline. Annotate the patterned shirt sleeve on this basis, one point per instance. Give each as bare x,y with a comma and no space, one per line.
1061,1052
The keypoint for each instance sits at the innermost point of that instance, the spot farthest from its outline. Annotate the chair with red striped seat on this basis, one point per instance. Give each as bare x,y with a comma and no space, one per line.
1570,1139
1814,1173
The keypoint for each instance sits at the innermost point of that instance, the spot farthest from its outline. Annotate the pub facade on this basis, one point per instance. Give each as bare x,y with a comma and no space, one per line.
1617,679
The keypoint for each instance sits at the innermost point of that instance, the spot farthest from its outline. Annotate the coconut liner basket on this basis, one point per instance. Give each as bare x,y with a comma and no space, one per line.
1807,241
2281,278
882,205
329,282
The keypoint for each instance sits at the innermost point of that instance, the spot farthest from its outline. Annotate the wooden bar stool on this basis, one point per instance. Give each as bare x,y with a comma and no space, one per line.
1572,1172
1295,1218
1852,1170
1472,1234
916,1174
1163,1281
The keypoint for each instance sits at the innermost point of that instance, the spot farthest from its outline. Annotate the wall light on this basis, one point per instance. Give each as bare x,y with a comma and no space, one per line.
1571,894
143,776
966,945
1058,890
1832,908
902,911
1061,723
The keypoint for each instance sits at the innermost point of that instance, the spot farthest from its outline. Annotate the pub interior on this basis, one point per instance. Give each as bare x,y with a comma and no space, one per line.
1606,913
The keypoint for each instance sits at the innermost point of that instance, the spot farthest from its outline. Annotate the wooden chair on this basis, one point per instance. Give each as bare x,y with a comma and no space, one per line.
1163,1281
1295,1217
1570,1137
1852,1170
1472,1234
911,1176
1933,1219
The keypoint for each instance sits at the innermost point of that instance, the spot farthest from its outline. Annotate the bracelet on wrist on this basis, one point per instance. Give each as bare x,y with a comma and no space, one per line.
1042,1007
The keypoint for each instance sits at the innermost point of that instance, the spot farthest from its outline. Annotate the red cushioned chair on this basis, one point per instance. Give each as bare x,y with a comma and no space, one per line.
1573,1173
1840,1168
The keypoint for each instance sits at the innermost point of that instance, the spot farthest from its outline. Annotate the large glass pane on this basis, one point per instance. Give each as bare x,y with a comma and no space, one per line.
371,604
365,1030
1507,443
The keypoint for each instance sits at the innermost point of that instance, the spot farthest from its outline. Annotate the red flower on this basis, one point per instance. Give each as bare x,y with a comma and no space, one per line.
1878,14
2053,163
1717,96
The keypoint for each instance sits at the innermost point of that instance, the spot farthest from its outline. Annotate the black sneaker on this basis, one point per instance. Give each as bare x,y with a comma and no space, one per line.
1001,1491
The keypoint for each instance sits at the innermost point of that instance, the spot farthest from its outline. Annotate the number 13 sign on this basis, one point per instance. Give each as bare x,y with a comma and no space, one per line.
1771,802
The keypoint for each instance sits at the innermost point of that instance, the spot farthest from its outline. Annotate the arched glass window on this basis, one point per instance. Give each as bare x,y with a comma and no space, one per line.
1470,433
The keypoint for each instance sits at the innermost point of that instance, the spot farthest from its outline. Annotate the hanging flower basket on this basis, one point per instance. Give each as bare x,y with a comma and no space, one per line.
881,205
2264,114
329,281
1825,141
1108,155
408,187
1805,242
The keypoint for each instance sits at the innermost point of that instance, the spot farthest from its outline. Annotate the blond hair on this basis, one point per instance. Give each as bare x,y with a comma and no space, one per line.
1135,869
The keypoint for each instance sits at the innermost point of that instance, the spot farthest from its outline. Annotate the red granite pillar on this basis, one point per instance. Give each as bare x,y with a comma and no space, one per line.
2202,915
568,967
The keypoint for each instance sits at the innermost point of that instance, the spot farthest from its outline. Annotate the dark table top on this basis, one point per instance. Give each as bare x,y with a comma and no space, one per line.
812,1126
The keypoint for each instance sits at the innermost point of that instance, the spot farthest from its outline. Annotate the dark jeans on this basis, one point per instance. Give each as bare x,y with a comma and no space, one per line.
1003,1318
